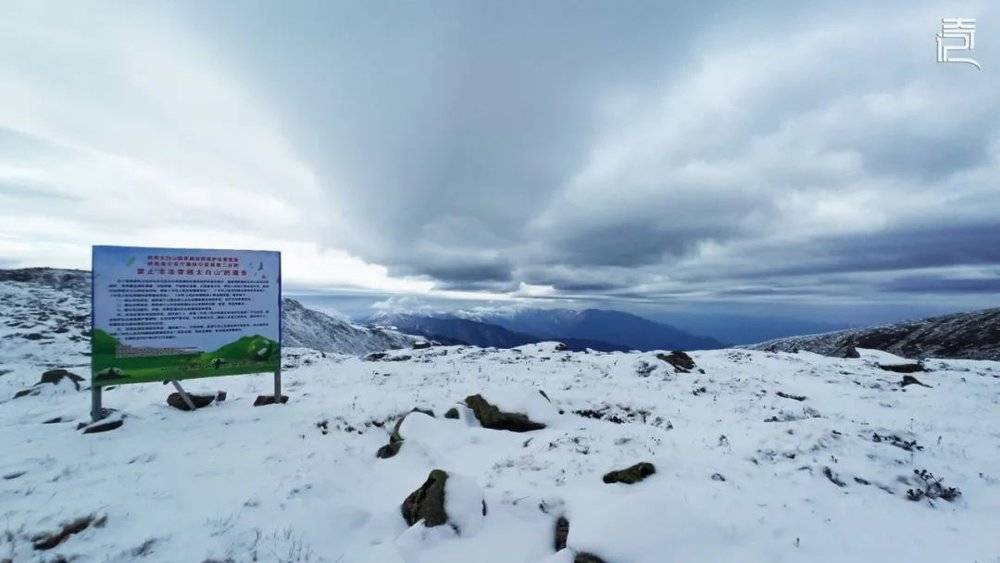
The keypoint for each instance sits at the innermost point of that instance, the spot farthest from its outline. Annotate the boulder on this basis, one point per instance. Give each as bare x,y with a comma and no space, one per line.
682,362
421,345
492,417
631,475
446,499
54,376
427,502
177,401
452,413
851,352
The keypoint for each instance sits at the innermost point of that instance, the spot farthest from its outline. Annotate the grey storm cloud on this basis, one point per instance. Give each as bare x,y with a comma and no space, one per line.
644,150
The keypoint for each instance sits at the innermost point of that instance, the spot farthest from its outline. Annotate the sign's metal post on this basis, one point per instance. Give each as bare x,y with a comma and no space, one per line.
96,411
277,386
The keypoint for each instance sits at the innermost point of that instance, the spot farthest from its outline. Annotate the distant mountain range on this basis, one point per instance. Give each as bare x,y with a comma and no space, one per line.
974,336
596,329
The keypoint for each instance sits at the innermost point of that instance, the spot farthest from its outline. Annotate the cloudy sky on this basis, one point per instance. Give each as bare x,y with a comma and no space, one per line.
779,156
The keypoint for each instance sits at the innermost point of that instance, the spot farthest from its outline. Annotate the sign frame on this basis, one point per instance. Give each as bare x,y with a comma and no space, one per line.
97,411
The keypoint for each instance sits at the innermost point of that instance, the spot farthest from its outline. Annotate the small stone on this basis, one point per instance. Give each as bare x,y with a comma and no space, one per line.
451,413
98,427
562,533
910,380
903,368
263,400
631,475
26,392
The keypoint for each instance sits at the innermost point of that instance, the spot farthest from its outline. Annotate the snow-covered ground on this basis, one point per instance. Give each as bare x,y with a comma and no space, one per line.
742,473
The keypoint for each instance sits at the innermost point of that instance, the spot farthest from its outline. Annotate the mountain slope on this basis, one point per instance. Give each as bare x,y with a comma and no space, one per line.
307,328
621,329
974,335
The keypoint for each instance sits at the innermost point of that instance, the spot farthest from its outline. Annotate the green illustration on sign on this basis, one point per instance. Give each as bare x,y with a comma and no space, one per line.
249,354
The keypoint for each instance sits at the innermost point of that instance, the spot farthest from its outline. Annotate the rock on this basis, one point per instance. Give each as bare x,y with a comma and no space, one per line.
375,356
784,395
54,376
562,533
390,449
26,392
102,426
682,362
631,475
177,401
263,400
561,347
910,380
452,413
33,336
47,541
108,373
584,557
902,368
220,396
13,475
493,418
851,352
421,345
427,502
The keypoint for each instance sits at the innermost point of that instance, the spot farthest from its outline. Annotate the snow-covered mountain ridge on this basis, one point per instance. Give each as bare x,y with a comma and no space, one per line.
973,335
